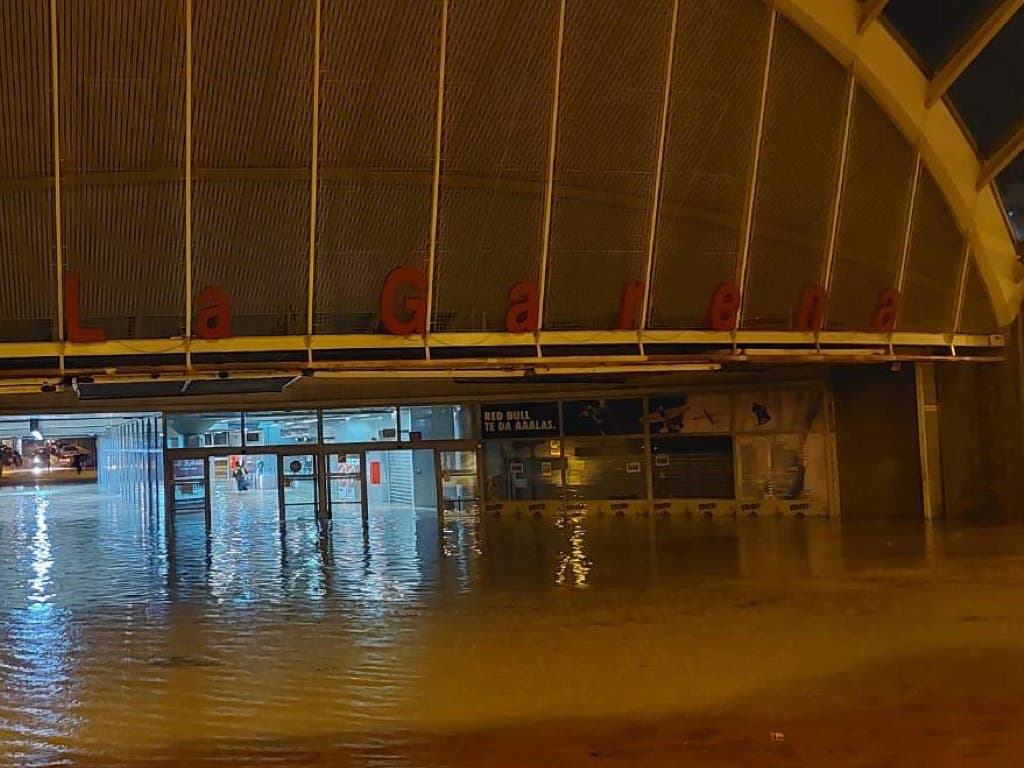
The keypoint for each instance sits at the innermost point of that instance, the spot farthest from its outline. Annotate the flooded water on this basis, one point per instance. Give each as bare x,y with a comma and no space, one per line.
509,642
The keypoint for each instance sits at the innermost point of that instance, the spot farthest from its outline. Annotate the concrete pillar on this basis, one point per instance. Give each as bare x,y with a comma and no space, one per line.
877,442
981,435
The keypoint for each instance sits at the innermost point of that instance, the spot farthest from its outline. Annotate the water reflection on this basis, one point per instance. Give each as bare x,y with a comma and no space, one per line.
573,564
123,640
36,653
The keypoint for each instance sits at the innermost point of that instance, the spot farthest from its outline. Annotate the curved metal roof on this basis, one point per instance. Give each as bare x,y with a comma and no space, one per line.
295,152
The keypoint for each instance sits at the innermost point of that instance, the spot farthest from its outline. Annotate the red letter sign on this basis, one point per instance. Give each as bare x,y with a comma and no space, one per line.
72,312
810,314
725,304
883,320
632,295
213,320
414,283
523,309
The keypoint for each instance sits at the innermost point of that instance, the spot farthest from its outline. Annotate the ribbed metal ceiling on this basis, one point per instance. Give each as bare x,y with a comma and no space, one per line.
716,174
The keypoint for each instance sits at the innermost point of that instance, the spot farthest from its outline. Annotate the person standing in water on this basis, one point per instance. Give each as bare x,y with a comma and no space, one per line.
240,477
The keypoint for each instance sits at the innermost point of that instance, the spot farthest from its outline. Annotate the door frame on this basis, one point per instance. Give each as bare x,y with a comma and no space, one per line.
278,451
437,446
169,458
326,476
405,446
462,446
317,478
321,471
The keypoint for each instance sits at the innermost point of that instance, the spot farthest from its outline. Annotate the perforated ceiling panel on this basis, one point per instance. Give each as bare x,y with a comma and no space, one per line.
127,242
613,75
254,241
122,116
27,292
499,81
872,220
934,263
253,110
378,113
716,87
807,95
977,315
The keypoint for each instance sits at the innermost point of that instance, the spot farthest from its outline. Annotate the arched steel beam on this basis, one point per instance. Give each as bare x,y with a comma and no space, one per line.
870,12
881,64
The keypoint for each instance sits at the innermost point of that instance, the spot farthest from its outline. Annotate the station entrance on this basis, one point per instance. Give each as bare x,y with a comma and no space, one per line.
745,451
356,481
318,465
278,485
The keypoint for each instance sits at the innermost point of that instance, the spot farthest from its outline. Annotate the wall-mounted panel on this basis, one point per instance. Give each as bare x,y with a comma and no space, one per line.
719,57
122,156
873,216
378,117
252,112
499,84
800,150
933,263
27,286
613,75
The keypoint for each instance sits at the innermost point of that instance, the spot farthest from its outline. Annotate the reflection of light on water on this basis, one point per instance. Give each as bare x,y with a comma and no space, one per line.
40,685
42,555
573,566
461,544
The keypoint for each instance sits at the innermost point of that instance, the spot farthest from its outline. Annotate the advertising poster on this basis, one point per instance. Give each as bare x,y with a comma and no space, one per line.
784,467
802,410
509,420
584,418
758,412
791,410
699,413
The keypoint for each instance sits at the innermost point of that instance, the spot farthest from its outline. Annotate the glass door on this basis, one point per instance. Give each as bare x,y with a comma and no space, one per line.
345,484
460,486
189,485
298,488
244,487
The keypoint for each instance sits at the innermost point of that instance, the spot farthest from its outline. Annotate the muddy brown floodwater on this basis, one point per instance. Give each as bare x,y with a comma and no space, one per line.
503,642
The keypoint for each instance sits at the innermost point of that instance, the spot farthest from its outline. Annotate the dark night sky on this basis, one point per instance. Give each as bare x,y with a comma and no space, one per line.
989,95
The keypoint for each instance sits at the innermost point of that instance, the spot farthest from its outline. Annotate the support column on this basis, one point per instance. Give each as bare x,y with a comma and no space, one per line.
981,435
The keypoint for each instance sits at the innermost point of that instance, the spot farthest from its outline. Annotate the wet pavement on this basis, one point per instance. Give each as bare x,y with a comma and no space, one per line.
505,642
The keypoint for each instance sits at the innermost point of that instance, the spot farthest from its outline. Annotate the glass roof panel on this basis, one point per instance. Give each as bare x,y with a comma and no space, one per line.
990,94
933,28
1011,187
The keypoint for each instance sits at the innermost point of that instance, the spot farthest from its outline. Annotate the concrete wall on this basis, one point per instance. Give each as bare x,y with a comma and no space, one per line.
981,429
876,437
